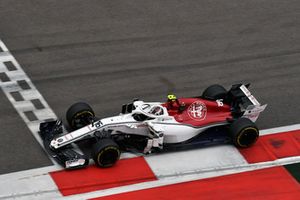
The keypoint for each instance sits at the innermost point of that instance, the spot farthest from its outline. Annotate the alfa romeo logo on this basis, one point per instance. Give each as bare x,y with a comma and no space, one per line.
197,111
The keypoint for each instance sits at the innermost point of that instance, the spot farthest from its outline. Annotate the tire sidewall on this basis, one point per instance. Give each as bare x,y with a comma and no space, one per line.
241,134
239,128
104,146
76,110
72,123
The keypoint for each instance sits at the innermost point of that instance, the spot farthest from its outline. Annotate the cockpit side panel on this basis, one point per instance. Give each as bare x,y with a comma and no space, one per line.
199,112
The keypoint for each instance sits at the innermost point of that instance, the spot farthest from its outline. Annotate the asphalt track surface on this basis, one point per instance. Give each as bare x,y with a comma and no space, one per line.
108,52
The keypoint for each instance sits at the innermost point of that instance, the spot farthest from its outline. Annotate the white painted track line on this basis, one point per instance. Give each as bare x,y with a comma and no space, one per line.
2,46
169,164
29,184
280,129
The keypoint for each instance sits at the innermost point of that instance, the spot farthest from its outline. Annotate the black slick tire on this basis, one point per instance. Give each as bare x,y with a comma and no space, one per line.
79,115
244,132
105,153
214,92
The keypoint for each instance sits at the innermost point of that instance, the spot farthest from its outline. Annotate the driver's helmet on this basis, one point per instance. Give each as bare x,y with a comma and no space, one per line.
172,98
156,110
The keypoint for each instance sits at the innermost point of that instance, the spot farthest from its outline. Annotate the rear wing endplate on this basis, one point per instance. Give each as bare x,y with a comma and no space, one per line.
255,108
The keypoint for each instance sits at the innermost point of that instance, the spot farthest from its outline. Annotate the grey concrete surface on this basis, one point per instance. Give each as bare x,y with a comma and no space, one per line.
108,52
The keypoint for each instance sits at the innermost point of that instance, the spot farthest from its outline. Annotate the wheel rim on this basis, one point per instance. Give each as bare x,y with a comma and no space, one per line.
108,157
247,137
82,119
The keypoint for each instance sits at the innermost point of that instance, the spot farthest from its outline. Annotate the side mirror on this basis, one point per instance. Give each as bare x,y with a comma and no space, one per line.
130,107
93,121
123,111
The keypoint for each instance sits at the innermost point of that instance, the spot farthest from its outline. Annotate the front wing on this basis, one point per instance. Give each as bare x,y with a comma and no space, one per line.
65,156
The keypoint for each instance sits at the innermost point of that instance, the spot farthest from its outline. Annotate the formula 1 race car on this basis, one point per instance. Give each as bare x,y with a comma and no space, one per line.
217,117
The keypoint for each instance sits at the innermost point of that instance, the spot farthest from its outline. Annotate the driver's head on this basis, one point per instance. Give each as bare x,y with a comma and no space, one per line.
172,97
156,110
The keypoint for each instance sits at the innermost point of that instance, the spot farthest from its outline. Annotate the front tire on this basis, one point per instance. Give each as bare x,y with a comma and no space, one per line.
79,115
244,132
106,153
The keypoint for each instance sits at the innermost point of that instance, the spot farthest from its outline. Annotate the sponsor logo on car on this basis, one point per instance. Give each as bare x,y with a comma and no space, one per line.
197,111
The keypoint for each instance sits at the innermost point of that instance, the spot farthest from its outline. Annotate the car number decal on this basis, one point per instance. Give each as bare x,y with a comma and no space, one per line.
220,102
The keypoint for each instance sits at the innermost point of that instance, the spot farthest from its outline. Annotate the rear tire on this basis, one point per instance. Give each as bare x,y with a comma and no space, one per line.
79,115
214,92
106,153
244,132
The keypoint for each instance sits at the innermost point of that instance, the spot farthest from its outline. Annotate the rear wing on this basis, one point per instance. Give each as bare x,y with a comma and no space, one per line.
243,103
